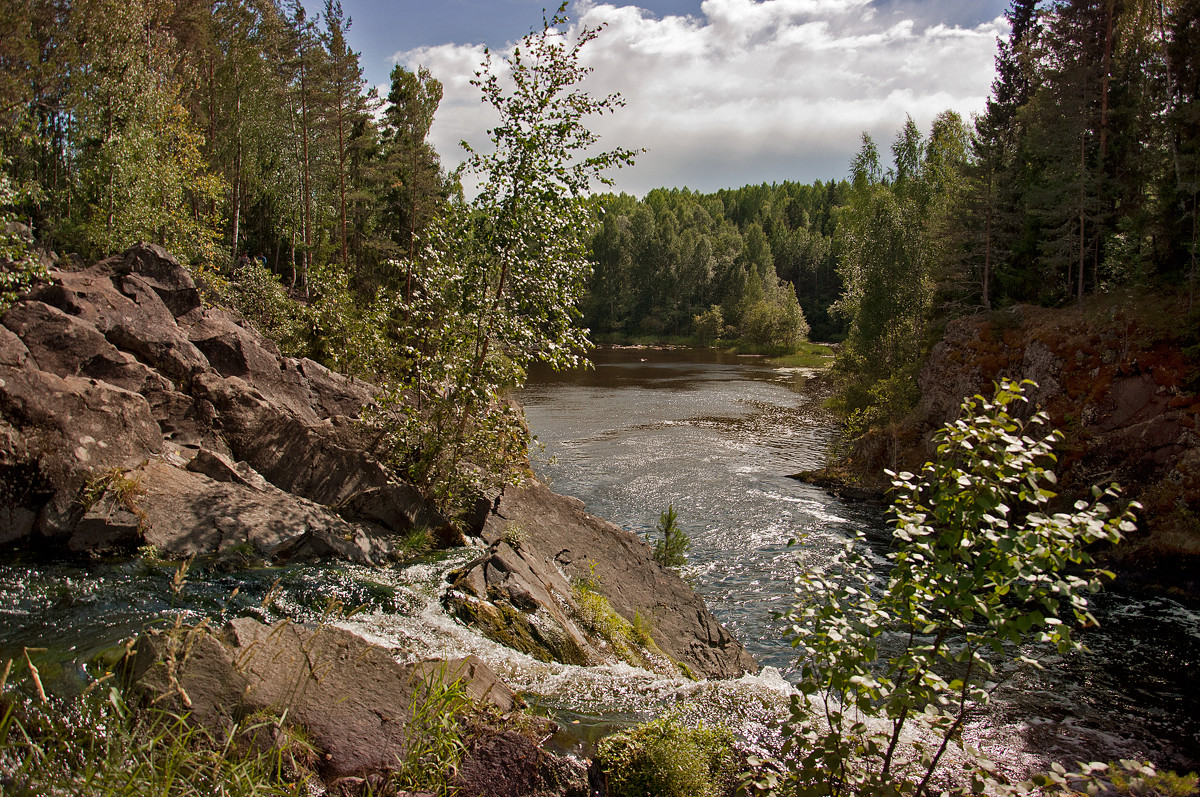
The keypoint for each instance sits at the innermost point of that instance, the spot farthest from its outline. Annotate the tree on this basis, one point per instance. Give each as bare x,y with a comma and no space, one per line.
140,164
347,113
507,269
977,564
414,188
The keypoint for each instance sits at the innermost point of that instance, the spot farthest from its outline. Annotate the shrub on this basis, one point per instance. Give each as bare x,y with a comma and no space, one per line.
978,566
19,268
665,758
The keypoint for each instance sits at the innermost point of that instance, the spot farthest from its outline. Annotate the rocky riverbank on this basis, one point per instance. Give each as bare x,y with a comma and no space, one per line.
1116,380
134,418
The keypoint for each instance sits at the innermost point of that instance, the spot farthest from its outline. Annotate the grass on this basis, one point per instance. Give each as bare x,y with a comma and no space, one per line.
98,745
808,355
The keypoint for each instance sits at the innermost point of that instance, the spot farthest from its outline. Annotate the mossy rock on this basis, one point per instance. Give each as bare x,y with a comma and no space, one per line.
500,622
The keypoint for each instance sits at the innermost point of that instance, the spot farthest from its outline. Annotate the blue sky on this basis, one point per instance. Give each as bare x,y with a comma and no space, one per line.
720,93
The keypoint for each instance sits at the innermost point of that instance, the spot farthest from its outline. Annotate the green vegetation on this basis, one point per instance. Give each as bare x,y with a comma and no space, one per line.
435,737
20,269
672,545
808,355
98,745
666,758
978,569
756,262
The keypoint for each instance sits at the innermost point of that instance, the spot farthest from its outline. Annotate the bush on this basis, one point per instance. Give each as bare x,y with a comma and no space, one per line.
664,758
979,568
709,326
19,268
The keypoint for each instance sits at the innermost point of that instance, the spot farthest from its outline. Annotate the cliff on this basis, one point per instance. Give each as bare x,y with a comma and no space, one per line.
1117,379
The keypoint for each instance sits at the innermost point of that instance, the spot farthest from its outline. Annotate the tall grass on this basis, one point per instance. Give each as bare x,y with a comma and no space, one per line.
95,744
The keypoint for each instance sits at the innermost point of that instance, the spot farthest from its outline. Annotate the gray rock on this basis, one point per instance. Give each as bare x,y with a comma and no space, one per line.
190,513
353,699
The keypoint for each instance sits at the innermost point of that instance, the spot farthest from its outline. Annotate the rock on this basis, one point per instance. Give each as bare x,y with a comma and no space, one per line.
188,513
220,468
316,460
352,698
1121,394
508,764
400,507
65,430
557,543
152,266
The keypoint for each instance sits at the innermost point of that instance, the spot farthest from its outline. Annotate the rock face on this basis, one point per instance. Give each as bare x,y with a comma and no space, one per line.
1123,393
115,379
535,589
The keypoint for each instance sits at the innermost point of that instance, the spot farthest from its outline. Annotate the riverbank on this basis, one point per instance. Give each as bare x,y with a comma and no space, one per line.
1118,379
138,426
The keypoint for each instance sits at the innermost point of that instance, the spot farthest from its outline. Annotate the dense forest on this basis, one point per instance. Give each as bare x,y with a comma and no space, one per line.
245,128
1081,176
215,129
681,263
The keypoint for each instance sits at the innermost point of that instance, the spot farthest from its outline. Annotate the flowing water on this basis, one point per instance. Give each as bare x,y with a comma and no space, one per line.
716,437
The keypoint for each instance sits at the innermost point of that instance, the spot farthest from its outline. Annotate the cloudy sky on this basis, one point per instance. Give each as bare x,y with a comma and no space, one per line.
720,93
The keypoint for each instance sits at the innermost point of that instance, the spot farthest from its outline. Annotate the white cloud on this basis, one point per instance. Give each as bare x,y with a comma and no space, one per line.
750,90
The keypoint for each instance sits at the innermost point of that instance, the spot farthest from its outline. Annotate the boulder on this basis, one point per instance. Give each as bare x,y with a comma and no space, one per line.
188,513
318,460
152,266
508,764
543,547
353,699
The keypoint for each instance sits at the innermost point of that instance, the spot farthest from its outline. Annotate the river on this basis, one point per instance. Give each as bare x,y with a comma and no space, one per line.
716,436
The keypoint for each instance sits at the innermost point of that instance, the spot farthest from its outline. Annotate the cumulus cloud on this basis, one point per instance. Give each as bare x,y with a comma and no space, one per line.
748,90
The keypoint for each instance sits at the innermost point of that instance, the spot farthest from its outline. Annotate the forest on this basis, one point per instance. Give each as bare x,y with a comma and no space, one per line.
1081,177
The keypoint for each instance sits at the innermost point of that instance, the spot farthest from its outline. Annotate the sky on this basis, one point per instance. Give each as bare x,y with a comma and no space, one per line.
719,93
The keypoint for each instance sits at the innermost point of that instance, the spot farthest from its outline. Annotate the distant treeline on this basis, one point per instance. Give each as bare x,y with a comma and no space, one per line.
662,262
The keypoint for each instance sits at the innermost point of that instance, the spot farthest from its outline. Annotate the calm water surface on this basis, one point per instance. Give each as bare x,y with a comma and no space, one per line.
716,436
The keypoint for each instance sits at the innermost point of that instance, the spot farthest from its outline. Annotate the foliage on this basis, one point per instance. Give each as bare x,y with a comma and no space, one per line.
258,295
97,745
672,545
435,740
979,568
1124,777
709,325
20,268
888,252
666,758
775,321
141,170
117,487
504,273
662,263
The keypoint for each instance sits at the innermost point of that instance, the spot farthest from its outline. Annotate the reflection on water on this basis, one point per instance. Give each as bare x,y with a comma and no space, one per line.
716,436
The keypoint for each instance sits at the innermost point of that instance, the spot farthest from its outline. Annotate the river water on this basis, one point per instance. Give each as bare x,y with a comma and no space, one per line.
716,436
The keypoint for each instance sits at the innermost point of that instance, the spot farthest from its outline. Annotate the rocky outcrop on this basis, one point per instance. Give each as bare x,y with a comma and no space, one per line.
131,415
354,701
536,589
1118,385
